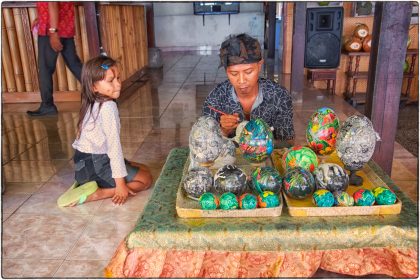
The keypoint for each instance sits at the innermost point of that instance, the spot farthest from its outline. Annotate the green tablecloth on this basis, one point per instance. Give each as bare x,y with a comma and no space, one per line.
159,227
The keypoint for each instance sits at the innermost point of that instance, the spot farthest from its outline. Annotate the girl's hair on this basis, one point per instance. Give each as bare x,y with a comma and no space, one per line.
93,71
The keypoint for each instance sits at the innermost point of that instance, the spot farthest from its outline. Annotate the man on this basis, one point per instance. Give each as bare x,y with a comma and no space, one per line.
245,96
55,34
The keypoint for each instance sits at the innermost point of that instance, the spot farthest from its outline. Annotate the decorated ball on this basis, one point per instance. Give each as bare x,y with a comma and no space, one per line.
384,196
230,178
356,142
228,201
343,199
197,181
268,199
298,156
209,201
205,140
266,179
323,198
363,197
247,201
322,130
298,183
332,177
256,141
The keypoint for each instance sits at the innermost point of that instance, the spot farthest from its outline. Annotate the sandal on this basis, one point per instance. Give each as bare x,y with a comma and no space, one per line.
76,194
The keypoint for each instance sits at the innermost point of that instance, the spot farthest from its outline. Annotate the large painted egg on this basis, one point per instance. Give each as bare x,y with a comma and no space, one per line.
322,130
197,181
268,199
266,179
256,141
247,201
298,183
363,197
332,177
228,201
323,198
209,201
384,196
205,141
356,142
230,178
298,156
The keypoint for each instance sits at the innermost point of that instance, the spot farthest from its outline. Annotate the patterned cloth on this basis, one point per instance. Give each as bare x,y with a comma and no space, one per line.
273,105
101,135
163,245
65,19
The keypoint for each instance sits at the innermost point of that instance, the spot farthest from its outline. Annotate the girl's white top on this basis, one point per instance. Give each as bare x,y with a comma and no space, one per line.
101,135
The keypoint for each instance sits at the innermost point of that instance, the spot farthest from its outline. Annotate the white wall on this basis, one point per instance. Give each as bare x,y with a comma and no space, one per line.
176,26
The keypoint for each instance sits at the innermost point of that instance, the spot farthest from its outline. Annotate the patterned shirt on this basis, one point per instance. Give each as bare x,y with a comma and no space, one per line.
273,104
65,19
101,135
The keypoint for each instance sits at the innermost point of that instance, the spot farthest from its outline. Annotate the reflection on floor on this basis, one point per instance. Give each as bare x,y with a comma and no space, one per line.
41,240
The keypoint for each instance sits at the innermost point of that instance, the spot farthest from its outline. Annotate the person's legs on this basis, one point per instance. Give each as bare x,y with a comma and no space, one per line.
71,58
47,60
142,180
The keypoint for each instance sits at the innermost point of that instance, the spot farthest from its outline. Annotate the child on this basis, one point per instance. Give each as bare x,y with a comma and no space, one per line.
100,169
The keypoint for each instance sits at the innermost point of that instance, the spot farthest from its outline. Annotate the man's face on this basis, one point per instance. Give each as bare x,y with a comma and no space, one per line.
244,77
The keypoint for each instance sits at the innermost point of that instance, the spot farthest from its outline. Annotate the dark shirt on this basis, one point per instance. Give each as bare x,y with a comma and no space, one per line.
273,104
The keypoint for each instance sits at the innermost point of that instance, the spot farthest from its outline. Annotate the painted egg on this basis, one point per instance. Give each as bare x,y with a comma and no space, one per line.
322,130
266,179
230,178
356,142
384,196
197,181
228,201
332,177
323,198
256,141
343,199
298,183
298,156
205,140
209,201
268,199
363,197
247,201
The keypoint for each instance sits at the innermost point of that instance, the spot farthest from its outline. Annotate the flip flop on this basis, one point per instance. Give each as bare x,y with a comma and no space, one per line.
77,194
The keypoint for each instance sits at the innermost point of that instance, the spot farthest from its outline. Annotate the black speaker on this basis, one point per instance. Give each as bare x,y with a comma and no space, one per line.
323,37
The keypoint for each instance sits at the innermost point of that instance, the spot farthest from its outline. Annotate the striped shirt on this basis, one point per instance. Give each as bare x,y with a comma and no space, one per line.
101,135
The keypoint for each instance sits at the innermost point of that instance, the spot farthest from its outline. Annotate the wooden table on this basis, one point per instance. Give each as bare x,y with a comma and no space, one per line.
164,245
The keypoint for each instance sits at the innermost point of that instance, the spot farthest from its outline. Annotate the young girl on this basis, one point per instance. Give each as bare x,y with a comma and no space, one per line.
100,169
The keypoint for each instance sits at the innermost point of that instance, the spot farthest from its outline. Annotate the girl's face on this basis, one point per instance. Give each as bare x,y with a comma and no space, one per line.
111,85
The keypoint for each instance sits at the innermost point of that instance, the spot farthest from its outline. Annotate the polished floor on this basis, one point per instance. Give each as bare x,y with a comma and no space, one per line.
41,240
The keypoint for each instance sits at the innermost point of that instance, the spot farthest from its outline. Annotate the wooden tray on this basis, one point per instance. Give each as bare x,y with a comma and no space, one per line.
190,208
306,207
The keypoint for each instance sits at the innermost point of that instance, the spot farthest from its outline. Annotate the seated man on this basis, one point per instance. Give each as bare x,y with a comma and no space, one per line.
245,96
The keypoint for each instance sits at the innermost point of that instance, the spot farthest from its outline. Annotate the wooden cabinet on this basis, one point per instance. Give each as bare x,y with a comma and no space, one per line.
354,75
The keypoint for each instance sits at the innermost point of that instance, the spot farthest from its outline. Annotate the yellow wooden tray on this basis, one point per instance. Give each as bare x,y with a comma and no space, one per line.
306,207
190,208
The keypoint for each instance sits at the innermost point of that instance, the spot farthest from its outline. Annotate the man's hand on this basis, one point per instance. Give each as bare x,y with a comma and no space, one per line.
55,42
228,123
121,193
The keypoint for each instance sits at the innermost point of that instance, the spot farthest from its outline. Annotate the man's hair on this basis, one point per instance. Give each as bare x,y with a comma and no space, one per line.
239,49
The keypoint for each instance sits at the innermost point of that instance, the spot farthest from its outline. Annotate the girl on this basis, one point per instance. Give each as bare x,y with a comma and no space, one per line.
100,169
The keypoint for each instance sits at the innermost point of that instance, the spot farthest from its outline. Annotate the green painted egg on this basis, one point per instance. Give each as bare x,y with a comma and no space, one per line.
343,199
266,179
363,197
256,141
384,196
209,201
323,198
298,183
247,201
298,156
322,130
228,201
268,199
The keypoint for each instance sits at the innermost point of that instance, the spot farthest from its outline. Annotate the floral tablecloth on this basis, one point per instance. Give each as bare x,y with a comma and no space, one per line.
164,245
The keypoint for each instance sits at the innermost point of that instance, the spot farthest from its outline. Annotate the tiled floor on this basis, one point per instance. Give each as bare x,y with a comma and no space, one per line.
41,240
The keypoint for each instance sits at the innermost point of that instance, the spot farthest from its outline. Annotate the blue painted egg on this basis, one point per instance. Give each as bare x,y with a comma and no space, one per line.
298,183
256,141
323,198
266,179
